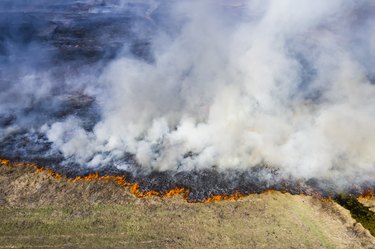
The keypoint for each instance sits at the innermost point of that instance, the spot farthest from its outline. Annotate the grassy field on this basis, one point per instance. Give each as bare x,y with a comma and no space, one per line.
39,212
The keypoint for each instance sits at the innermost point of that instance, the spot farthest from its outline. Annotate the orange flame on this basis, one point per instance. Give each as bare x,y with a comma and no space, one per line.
216,198
4,162
135,187
367,194
120,180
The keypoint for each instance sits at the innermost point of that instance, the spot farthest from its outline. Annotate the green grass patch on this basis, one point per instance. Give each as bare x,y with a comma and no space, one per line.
359,212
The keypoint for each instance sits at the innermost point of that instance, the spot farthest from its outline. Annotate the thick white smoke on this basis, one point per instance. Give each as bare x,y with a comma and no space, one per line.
241,83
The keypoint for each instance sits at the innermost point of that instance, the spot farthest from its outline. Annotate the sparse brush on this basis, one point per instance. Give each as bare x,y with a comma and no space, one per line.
358,211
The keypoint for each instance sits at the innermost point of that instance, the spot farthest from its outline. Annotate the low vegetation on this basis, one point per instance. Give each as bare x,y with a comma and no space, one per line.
359,212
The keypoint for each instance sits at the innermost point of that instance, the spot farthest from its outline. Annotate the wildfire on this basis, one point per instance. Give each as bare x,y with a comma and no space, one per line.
4,162
134,187
137,192
216,198
120,180
367,194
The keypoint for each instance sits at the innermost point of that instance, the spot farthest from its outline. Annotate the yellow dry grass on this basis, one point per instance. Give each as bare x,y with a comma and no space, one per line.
39,212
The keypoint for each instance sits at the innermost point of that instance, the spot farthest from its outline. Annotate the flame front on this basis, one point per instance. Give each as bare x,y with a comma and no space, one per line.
367,194
135,187
120,180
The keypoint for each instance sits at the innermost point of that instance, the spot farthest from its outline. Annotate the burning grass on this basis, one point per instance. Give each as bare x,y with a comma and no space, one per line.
143,188
134,187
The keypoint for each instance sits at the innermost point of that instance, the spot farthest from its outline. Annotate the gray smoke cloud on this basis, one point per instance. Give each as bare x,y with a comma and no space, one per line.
232,85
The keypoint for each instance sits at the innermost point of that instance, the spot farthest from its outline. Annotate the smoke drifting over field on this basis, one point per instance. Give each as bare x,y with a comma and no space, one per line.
188,86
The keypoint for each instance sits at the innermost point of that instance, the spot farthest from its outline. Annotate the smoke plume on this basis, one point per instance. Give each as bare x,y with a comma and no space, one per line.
184,86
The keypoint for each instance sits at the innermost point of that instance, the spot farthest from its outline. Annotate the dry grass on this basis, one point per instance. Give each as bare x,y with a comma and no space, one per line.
39,212
368,202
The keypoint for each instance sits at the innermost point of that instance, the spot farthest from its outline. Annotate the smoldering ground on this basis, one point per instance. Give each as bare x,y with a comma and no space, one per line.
217,96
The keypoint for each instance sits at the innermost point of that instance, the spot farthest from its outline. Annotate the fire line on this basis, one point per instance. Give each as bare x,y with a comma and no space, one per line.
135,187
121,181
